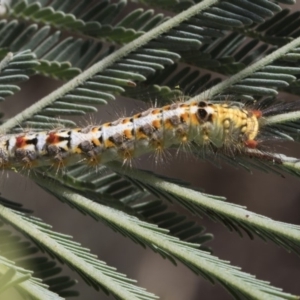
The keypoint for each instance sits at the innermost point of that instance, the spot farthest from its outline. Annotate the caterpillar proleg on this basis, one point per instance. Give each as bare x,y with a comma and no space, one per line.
204,123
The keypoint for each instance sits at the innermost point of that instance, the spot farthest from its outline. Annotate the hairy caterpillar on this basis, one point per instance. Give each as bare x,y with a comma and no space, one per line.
204,123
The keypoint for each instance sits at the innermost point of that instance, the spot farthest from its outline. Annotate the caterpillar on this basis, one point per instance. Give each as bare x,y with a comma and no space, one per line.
204,123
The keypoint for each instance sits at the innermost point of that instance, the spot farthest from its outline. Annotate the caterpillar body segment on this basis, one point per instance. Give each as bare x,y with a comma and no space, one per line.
204,123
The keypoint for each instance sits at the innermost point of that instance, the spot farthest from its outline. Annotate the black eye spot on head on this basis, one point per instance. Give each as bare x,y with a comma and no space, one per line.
202,104
202,113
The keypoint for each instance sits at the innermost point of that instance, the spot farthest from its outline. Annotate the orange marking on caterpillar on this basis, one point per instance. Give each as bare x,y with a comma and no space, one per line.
109,144
257,113
143,132
168,124
252,144
187,105
155,111
20,142
194,119
96,142
52,138
184,117
127,134
95,129
125,121
156,124
78,150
